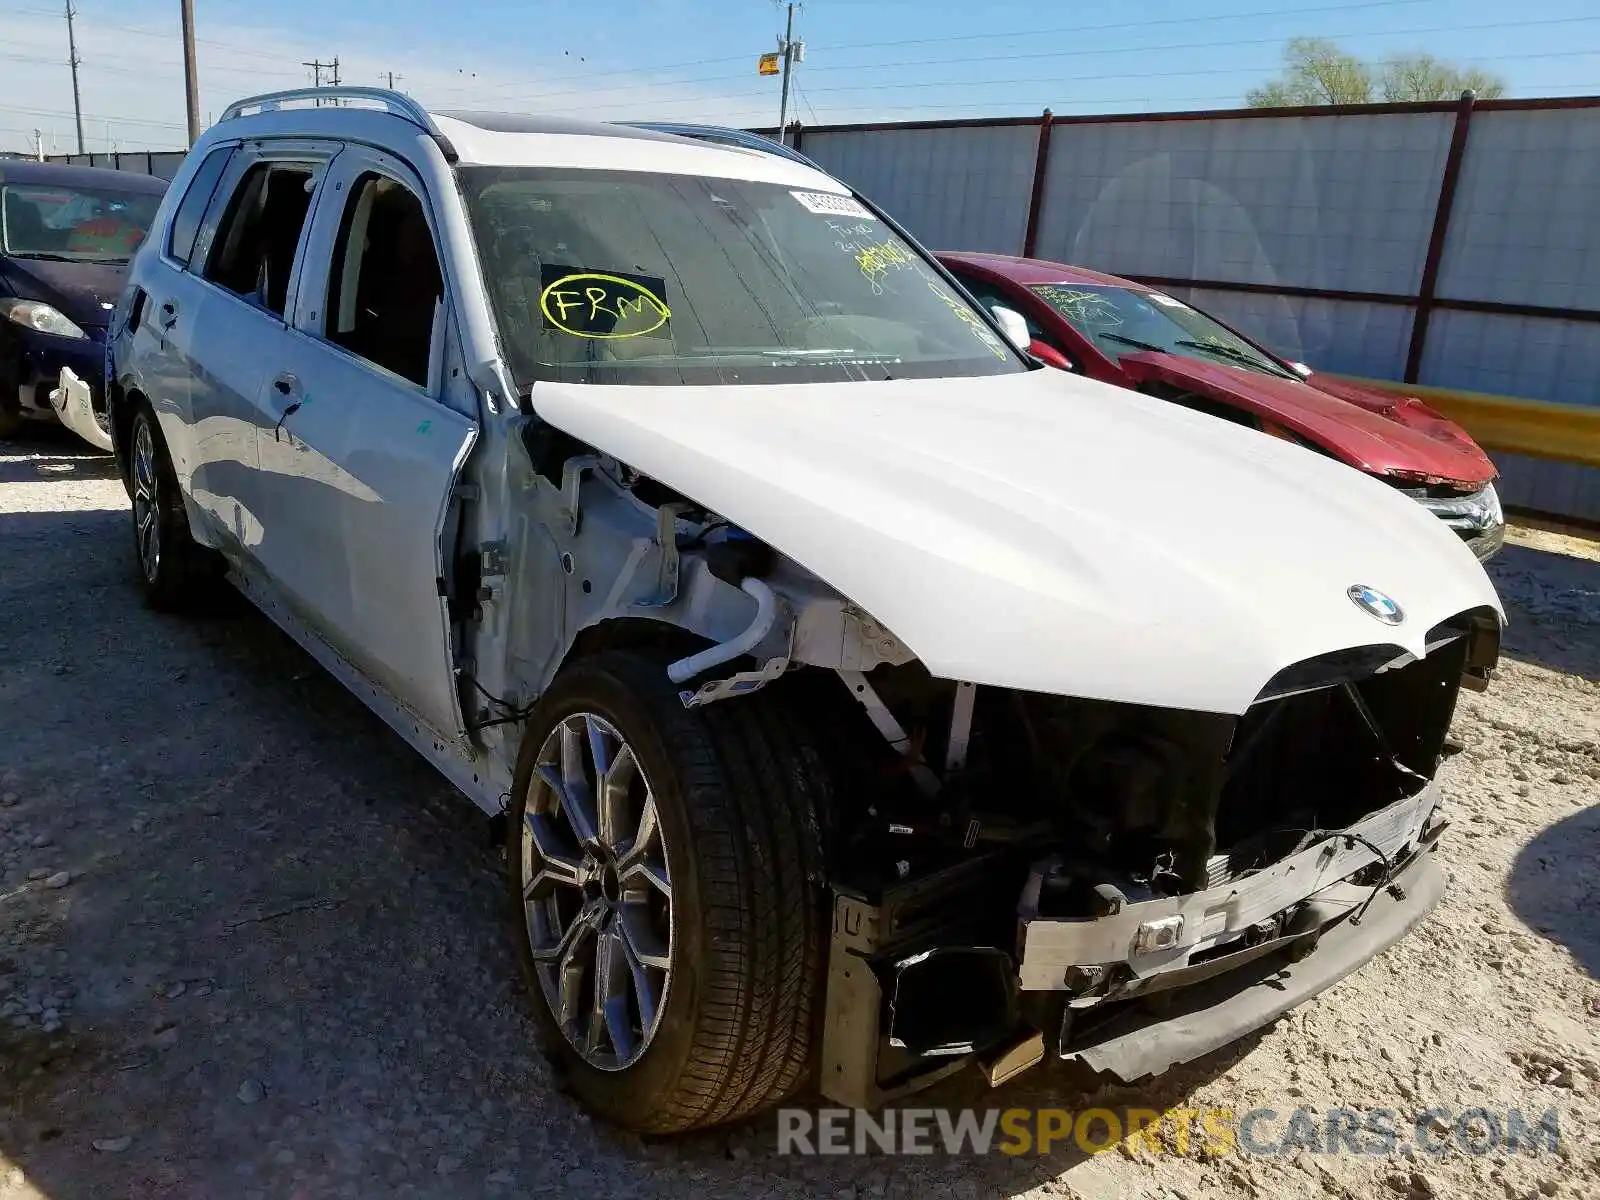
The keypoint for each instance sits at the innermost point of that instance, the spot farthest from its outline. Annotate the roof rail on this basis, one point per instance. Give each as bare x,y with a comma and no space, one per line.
393,102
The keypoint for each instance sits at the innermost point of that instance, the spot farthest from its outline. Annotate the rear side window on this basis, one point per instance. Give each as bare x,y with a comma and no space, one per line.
386,285
253,254
186,221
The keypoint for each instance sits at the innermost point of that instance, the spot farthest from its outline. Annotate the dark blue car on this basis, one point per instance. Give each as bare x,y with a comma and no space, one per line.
66,235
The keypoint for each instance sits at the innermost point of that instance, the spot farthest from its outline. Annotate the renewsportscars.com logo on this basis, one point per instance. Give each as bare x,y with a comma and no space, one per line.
1259,1132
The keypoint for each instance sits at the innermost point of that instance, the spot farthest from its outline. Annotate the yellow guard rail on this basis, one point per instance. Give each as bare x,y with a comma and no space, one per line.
1564,432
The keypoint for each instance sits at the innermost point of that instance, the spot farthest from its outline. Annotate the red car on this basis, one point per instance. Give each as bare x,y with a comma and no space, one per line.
1125,333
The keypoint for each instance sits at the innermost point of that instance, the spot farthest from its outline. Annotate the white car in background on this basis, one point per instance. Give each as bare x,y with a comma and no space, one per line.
863,701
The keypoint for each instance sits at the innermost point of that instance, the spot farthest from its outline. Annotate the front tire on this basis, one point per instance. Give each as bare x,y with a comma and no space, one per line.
176,573
667,889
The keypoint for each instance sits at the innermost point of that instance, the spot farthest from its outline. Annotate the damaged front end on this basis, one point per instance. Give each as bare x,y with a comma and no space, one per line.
1124,886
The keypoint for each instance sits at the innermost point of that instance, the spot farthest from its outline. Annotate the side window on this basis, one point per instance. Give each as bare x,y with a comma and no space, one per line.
385,284
253,253
186,221
985,293
988,295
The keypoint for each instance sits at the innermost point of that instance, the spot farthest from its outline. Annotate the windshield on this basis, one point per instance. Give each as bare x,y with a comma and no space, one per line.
1121,320
630,278
78,224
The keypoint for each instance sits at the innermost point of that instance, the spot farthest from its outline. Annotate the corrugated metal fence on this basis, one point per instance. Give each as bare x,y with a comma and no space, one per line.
162,163
1447,244
1455,245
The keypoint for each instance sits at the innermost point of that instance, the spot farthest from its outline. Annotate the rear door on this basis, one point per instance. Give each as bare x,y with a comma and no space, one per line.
245,259
361,466
157,339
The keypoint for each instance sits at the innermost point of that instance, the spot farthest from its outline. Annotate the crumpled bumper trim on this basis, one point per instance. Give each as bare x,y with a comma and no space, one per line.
1213,1014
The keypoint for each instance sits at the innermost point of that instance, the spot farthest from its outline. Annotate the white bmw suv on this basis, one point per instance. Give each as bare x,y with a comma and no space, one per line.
862,701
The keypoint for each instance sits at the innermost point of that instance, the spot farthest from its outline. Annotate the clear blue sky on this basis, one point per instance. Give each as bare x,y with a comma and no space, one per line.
695,59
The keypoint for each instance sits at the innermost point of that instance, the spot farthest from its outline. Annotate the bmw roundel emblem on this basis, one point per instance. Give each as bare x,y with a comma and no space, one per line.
1376,604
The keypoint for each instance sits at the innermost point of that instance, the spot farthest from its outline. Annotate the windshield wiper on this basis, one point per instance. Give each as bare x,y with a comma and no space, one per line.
1134,342
45,256
1234,354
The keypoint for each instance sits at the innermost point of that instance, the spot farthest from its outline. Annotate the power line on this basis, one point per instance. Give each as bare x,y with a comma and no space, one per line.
53,112
1168,103
1185,20
956,83
805,99
540,97
1146,49
143,31
145,72
486,89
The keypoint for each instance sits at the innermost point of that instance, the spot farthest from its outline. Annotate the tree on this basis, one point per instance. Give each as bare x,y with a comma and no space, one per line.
1424,77
1317,71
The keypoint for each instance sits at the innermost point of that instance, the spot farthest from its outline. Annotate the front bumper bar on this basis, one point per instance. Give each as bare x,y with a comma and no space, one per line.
1207,920
1209,1015
73,400
35,372
1477,519
922,980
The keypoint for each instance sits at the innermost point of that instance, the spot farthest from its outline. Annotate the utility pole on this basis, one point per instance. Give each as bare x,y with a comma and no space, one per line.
317,68
191,79
72,57
789,59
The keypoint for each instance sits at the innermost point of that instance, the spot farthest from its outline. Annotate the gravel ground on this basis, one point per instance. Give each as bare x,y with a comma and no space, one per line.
251,946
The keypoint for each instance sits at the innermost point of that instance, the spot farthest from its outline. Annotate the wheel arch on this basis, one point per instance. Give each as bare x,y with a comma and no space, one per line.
629,633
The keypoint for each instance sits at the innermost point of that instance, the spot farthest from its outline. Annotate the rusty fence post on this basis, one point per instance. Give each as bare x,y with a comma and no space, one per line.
1041,164
1436,240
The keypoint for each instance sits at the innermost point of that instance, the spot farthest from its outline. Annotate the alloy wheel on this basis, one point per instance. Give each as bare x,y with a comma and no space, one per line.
597,892
146,501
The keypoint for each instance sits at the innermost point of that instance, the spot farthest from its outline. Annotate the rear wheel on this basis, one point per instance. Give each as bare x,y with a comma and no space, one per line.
175,571
665,875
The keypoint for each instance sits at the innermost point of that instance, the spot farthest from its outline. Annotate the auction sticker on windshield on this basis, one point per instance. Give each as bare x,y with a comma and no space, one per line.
831,205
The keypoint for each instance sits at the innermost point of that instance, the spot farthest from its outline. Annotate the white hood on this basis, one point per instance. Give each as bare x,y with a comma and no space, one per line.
1046,532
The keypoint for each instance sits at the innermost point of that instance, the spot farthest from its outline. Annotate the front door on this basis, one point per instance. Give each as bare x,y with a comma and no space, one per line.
360,459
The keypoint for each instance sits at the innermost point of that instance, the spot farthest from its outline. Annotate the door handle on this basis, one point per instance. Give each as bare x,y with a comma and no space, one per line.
168,314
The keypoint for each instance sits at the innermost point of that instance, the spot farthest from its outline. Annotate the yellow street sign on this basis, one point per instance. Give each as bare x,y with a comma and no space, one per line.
768,64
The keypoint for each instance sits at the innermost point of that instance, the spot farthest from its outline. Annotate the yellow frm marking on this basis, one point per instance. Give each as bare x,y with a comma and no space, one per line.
591,294
990,342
